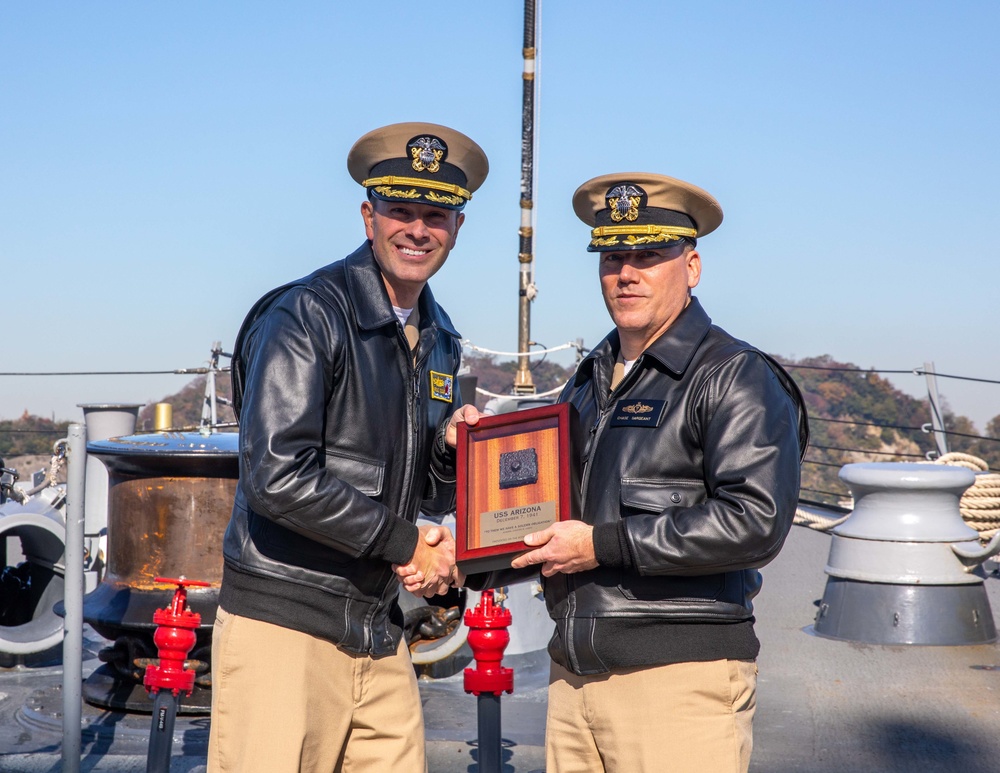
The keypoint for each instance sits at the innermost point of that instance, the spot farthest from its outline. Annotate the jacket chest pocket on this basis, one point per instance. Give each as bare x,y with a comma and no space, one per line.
650,495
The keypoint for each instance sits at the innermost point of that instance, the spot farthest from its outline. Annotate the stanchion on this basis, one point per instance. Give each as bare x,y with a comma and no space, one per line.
73,598
488,637
174,638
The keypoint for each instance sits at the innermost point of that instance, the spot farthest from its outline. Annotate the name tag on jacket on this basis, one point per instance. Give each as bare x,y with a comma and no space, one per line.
638,413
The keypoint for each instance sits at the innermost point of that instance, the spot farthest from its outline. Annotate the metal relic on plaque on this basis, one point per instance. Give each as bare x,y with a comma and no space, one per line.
517,473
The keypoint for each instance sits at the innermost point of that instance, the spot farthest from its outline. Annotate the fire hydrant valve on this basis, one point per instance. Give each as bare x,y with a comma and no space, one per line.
488,637
174,637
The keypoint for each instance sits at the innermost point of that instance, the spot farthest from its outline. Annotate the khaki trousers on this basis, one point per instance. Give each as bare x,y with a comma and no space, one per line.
285,702
679,718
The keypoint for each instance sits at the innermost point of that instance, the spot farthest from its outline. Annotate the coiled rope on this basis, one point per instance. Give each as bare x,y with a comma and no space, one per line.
814,520
980,504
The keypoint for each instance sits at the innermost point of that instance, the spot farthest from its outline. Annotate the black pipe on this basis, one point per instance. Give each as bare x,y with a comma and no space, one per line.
161,734
489,733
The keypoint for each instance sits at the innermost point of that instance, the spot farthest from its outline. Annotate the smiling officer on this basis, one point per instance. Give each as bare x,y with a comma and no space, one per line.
690,483
344,385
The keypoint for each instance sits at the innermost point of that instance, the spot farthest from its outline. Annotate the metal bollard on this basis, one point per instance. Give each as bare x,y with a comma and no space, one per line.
174,638
488,637
903,569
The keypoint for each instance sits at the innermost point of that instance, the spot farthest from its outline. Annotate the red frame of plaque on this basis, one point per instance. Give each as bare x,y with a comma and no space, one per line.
551,429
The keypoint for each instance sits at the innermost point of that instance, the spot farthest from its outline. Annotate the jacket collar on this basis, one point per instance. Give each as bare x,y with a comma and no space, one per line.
371,301
674,349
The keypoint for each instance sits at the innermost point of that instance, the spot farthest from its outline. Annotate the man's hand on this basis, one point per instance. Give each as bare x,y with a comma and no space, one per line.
432,569
466,413
566,547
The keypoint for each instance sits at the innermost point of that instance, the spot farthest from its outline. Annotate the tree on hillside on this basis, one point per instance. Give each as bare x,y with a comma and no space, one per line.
29,435
986,447
855,416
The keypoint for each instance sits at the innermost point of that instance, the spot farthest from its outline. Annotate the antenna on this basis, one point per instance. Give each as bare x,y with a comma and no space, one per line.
209,408
523,383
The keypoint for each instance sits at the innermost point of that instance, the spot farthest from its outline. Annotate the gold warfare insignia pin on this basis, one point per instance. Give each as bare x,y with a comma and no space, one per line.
624,201
638,413
442,386
427,153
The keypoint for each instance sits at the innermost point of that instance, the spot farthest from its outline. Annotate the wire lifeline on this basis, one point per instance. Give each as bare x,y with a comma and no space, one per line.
913,371
97,373
922,372
551,392
469,345
841,495
176,372
864,451
466,343
926,428
34,431
866,424
8,457
851,370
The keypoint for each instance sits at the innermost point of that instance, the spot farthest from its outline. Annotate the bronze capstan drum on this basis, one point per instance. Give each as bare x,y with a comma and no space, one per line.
169,499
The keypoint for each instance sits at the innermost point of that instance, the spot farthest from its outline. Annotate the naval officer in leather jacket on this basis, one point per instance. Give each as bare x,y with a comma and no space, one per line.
346,392
689,484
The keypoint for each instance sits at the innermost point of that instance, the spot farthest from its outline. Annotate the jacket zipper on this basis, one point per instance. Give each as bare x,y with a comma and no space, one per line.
412,400
597,430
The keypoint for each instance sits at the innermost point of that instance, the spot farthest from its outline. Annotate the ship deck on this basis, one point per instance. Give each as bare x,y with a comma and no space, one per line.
824,706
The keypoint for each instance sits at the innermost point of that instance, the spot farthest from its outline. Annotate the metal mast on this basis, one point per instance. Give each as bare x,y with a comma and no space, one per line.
523,383
937,418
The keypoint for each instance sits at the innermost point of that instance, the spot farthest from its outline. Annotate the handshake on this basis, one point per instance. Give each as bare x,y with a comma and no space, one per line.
565,547
432,570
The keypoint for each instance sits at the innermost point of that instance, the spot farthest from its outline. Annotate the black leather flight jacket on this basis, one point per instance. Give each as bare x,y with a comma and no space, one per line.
339,452
690,478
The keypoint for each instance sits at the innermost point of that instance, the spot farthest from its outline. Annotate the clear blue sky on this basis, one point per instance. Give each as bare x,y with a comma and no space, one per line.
164,164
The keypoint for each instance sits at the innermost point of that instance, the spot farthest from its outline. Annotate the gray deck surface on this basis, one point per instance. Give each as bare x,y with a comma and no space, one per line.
824,706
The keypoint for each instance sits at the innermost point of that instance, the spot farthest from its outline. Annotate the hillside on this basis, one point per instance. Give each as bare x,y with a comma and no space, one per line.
855,416
845,403
26,444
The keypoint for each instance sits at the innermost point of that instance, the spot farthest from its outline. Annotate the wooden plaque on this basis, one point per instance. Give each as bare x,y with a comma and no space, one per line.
517,473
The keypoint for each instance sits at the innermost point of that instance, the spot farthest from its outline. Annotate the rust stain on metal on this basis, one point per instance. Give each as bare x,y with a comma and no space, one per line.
167,526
